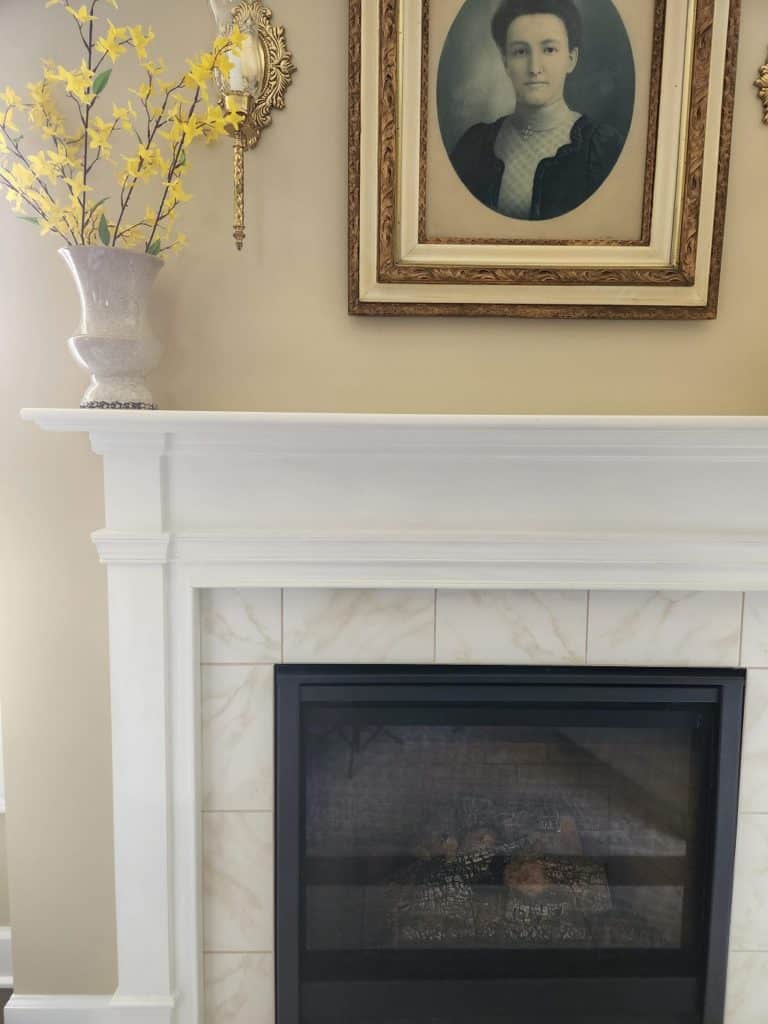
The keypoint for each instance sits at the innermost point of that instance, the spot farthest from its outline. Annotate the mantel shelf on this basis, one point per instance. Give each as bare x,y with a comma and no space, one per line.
421,500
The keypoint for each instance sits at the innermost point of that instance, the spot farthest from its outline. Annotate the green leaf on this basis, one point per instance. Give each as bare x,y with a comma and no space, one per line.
104,230
30,220
100,81
154,249
182,158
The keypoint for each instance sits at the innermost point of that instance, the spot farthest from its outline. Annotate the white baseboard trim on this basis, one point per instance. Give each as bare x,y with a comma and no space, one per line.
6,963
22,1009
58,1009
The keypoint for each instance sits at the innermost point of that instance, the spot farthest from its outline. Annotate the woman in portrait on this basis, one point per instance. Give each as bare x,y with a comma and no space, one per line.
544,159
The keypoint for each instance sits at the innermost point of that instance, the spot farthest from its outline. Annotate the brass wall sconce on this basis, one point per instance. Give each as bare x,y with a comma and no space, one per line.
761,84
256,85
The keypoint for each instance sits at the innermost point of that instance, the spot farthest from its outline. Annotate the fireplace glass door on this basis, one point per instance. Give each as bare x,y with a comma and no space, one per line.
499,847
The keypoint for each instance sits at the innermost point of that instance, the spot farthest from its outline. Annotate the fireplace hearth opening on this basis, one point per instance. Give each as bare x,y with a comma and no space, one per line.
537,846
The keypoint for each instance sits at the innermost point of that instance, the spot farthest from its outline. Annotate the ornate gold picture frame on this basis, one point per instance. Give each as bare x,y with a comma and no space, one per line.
440,224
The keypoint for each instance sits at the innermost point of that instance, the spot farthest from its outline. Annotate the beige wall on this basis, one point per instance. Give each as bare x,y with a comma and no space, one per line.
266,330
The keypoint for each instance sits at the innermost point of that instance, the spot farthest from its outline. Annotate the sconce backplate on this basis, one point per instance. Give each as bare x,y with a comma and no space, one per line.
761,84
252,17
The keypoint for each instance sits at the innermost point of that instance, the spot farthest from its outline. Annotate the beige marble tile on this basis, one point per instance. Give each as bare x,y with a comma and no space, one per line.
754,751
238,882
749,925
747,998
240,626
664,628
238,737
239,988
327,625
512,626
754,647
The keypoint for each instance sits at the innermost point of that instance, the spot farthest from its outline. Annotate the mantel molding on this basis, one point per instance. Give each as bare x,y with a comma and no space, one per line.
525,437
379,500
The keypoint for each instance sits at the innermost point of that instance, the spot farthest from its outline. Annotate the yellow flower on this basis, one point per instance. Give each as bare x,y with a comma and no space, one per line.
77,83
113,42
215,123
200,73
51,3
154,67
10,98
141,41
81,14
16,201
125,115
99,134
9,120
77,186
42,165
21,176
143,92
38,91
176,193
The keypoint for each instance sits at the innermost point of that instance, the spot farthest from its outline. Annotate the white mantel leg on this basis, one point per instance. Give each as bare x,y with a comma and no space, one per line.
142,807
139,671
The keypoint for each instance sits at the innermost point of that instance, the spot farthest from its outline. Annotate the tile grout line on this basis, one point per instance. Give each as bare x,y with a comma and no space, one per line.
236,664
238,952
240,811
282,625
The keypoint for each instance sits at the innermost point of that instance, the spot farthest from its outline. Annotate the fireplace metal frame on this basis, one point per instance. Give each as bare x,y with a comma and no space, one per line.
299,684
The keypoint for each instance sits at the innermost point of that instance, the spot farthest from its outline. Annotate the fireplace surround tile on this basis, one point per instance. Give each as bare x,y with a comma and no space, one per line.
239,988
747,988
326,625
511,626
754,758
238,742
383,626
240,625
749,930
754,652
664,628
238,856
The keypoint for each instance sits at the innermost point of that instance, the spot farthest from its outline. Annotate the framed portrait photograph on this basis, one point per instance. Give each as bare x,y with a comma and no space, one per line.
539,158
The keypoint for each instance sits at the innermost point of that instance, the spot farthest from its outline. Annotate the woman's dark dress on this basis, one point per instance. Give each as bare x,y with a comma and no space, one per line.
562,182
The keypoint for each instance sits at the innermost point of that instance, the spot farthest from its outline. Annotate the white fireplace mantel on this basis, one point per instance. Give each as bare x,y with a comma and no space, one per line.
408,500
203,500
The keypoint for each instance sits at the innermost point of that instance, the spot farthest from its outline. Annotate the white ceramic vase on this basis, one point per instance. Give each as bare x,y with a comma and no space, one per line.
115,342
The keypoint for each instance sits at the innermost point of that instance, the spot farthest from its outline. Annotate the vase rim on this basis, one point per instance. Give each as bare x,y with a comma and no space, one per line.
110,249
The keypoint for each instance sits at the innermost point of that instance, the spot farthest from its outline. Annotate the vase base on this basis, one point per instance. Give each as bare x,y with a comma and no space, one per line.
117,405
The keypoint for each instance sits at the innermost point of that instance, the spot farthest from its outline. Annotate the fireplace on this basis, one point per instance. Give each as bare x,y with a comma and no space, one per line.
237,541
456,842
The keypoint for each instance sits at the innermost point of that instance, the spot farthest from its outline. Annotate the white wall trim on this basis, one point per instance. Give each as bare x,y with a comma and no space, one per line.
244,499
6,961
69,1009
681,438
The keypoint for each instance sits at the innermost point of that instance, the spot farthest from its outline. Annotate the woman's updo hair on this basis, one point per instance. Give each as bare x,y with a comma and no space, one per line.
565,10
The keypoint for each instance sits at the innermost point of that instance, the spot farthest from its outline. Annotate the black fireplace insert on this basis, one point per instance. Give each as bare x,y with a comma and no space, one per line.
524,845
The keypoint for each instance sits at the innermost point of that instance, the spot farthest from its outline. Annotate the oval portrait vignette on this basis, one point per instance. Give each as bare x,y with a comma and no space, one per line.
535,100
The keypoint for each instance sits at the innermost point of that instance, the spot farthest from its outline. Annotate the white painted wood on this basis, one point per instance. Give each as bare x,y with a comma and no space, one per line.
196,500
138,633
6,959
366,500
184,758
24,1009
